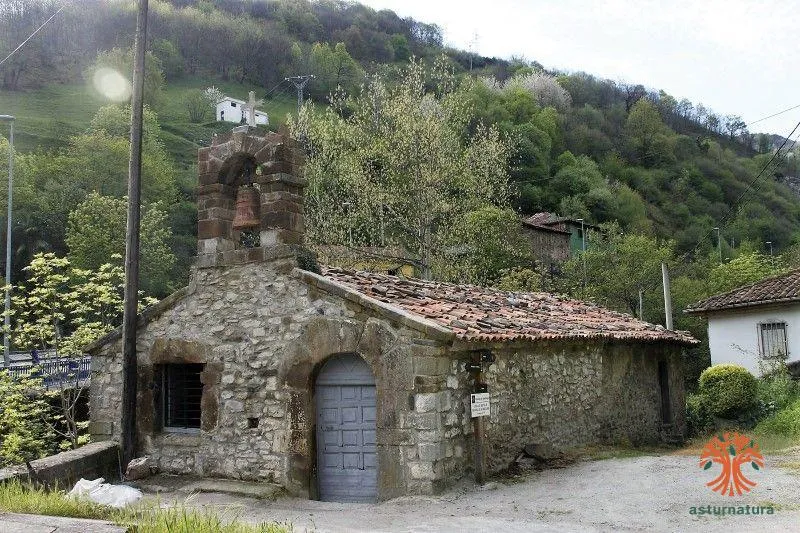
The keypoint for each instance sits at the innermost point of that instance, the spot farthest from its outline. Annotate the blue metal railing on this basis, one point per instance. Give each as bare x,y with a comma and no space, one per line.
53,371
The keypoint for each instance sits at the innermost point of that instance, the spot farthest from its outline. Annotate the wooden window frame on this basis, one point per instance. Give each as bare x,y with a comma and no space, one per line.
773,330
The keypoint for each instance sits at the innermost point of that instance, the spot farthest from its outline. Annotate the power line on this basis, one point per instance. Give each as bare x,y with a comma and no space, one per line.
750,188
23,43
774,114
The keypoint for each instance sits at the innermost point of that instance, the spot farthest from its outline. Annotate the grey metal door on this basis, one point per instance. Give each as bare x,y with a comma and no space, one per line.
346,460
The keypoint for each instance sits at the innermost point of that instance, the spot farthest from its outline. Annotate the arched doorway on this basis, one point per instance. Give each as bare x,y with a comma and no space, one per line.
347,468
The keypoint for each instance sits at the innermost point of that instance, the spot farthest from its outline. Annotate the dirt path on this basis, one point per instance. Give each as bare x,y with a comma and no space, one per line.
633,494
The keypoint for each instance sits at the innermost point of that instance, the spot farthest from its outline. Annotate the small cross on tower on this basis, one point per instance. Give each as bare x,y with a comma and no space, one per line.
251,108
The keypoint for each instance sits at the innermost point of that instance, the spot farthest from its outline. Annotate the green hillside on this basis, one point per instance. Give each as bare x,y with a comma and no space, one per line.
48,116
579,145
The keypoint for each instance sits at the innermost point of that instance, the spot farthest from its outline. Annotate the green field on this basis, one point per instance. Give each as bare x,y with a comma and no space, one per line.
47,117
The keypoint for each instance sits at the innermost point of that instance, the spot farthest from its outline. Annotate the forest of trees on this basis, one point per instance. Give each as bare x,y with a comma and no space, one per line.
517,139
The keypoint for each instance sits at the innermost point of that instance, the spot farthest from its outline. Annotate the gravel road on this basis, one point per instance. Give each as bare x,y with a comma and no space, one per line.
650,493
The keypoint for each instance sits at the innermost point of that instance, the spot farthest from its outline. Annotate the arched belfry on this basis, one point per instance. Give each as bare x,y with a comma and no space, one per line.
263,174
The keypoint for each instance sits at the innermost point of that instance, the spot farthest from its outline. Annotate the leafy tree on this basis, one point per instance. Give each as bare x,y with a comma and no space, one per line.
24,433
334,68
196,105
744,269
96,232
492,243
616,267
392,165
646,133
63,308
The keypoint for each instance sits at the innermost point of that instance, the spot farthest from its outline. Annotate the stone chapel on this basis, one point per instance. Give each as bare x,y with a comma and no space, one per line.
355,386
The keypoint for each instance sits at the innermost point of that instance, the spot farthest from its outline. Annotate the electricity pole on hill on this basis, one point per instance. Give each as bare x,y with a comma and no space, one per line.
300,82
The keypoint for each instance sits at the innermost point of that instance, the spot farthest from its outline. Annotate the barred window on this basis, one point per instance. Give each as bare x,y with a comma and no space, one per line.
772,339
183,391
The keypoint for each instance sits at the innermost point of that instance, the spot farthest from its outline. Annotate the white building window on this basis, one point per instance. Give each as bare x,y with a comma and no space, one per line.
772,340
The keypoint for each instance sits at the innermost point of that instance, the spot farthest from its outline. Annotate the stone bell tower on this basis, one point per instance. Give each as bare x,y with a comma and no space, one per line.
265,172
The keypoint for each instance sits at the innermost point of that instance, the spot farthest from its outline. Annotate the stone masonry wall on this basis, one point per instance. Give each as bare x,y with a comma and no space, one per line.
262,334
565,394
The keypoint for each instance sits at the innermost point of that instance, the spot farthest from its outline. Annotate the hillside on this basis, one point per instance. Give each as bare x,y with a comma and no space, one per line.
582,146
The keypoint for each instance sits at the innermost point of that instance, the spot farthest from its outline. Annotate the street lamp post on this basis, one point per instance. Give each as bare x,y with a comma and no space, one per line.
7,316
719,243
770,247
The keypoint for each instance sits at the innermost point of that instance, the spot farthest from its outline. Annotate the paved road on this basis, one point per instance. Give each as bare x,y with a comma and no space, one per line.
27,523
634,494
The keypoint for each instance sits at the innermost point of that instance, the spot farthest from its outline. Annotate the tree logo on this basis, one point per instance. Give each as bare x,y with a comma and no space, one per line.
732,451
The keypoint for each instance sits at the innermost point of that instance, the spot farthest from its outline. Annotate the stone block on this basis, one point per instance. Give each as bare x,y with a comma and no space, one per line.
426,402
422,470
423,421
431,366
431,451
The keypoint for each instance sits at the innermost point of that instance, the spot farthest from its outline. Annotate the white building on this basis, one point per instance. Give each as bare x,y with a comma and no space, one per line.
756,325
233,110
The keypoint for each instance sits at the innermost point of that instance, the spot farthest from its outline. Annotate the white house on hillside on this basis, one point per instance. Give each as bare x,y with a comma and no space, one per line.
756,325
233,110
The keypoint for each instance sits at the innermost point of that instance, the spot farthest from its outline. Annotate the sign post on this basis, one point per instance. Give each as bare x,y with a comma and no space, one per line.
480,408
479,404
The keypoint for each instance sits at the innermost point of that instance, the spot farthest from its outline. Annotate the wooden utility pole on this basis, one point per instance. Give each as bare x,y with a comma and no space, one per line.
129,363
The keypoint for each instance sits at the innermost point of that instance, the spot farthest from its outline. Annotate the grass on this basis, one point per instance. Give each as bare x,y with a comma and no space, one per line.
599,453
147,518
47,117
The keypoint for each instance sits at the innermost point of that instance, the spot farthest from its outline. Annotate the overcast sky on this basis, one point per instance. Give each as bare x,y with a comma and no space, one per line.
734,56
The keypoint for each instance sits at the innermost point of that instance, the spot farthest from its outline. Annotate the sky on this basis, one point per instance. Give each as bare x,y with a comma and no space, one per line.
733,56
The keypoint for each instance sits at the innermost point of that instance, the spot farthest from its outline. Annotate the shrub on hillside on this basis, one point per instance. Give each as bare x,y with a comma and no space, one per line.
698,418
728,390
785,422
777,389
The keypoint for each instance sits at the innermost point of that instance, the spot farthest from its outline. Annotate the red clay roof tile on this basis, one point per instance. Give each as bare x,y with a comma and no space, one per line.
482,314
777,289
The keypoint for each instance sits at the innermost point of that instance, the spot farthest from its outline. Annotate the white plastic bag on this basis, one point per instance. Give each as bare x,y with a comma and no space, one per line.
103,493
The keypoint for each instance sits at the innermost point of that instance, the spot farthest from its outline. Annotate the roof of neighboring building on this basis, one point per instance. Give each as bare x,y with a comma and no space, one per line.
481,314
527,222
545,220
777,289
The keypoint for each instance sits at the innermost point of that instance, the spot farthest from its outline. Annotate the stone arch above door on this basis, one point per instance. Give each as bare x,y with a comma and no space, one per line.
384,352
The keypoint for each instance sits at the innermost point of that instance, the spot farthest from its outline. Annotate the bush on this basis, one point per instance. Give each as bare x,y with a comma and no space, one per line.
698,418
785,422
728,390
778,390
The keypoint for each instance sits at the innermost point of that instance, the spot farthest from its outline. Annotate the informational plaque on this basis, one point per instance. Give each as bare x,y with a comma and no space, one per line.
479,404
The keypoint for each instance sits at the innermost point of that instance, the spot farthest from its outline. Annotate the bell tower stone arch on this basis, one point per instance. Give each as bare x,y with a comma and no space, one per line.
273,164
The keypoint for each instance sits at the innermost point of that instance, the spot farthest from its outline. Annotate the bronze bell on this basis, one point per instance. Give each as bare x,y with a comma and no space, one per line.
247,204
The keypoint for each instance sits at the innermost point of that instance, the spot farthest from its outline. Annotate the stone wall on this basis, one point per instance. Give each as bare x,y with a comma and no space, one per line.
98,459
263,333
548,247
568,394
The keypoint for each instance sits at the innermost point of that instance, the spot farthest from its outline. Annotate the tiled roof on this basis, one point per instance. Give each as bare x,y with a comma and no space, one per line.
540,222
539,219
489,315
778,289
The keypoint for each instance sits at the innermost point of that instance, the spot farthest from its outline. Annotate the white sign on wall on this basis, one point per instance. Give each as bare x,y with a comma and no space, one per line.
479,404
